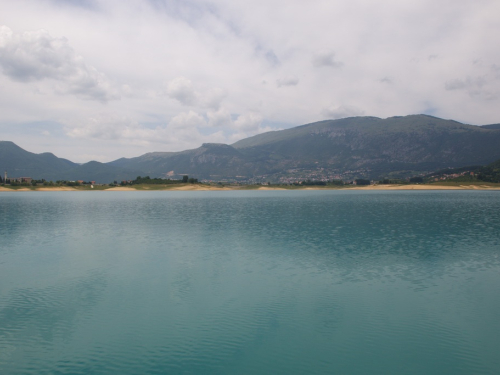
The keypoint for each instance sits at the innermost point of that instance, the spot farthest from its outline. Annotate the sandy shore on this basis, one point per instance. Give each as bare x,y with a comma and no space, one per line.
270,188
120,188
176,188
425,187
200,188
60,188
227,188
6,189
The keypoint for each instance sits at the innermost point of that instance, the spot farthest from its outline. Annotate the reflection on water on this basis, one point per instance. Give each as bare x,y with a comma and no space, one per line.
250,282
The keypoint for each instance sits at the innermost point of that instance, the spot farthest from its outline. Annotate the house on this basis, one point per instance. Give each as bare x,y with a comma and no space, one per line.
20,179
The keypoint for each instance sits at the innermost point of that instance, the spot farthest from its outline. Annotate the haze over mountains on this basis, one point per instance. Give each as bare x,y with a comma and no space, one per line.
353,147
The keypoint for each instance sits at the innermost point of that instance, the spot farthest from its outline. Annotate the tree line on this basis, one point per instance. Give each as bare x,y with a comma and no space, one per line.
159,181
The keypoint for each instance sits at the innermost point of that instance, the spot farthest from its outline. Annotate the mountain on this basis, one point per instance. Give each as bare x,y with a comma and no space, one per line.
94,171
21,163
18,162
492,126
346,148
355,147
210,161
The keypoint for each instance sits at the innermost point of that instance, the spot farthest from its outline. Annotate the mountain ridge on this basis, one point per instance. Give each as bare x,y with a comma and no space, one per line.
353,147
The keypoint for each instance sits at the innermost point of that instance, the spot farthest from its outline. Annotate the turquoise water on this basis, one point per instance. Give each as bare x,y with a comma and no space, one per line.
256,282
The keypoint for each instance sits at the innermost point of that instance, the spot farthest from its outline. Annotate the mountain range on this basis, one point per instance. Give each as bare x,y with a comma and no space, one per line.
355,147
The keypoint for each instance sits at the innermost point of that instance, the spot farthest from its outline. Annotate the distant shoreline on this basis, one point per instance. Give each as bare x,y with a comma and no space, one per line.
201,187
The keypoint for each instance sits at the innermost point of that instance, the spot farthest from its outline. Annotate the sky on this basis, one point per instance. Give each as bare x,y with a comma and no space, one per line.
104,79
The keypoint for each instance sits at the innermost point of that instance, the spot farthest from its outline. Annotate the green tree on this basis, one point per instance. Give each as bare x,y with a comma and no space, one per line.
416,180
361,181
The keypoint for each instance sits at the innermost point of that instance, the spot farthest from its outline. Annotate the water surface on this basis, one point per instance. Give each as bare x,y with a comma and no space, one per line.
255,282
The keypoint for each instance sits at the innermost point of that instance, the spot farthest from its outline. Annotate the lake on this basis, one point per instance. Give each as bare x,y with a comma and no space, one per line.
250,282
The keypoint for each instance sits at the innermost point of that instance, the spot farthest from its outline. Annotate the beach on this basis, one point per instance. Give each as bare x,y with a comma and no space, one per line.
201,187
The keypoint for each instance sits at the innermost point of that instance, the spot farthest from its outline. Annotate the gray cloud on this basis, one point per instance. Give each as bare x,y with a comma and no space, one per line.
458,84
272,58
261,51
326,59
287,81
479,87
36,56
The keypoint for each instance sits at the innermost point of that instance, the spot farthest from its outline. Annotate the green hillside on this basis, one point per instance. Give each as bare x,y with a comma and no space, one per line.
492,126
490,172
21,163
375,147
211,160
18,162
356,147
351,148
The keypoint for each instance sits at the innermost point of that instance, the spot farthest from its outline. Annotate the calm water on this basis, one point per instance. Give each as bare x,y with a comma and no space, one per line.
262,282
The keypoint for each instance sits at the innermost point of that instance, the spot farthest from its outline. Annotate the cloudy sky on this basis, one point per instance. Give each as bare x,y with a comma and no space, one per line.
101,79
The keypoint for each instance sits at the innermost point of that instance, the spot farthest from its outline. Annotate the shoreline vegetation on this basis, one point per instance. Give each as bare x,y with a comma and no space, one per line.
465,178
448,185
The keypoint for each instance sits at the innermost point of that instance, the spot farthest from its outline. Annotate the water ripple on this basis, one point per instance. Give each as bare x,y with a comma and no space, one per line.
250,282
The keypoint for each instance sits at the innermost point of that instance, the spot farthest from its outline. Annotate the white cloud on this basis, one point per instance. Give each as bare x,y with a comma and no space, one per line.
36,56
178,134
249,122
186,93
183,132
214,98
187,121
105,126
182,89
183,70
244,125
342,111
219,118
